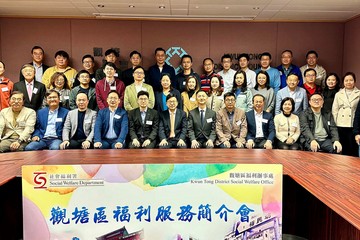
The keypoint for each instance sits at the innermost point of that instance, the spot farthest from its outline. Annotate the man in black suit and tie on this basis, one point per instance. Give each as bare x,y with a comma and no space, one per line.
261,128
34,91
37,54
201,123
173,125
143,123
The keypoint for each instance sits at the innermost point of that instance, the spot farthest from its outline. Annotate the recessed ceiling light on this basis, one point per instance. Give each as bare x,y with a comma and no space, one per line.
131,6
256,8
196,7
226,7
162,6
101,5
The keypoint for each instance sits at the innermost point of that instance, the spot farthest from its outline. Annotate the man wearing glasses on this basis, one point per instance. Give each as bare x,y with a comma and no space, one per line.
231,125
143,123
131,91
173,125
49,124
16,124
318,129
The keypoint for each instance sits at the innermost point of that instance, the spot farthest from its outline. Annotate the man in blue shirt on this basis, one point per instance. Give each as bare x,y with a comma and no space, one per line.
111,126
49,124
287,67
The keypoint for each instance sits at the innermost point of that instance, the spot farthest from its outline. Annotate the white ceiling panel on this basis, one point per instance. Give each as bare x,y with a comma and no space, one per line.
262,10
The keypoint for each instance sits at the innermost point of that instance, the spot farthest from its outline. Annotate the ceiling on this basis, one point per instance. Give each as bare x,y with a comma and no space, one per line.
246,10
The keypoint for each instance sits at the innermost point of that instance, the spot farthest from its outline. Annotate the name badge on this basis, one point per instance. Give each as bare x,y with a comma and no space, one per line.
5,89
238,123
329,123
264,120
117,116
298,100
22,124
148,122
209,120
293,125
35,90
59,120
116,75
113,88
192,99
94,80
280,73
66,97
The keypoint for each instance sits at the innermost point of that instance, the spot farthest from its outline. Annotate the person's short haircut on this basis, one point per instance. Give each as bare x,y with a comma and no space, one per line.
245,55
293,74
27,66
4,64
349,74
186,56
17,92
62,53
81,72
316,93
110,64
229,94
292,104
159,49
135,52
226,56
37,47
142,93
113,91
81,92
287,50
201,90
48,92
170,95
267,84
312,52
87,56
139,67
258,95
205,59
111,51
308,70
265,54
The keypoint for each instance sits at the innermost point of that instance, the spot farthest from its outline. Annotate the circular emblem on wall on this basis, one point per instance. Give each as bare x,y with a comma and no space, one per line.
173,52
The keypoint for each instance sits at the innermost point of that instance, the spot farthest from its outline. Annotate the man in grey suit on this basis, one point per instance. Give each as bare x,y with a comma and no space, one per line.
173,125
143,123
78,131
201,123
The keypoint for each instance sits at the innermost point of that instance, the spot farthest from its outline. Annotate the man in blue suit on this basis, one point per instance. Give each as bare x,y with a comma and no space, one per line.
261,129
49,124
111,126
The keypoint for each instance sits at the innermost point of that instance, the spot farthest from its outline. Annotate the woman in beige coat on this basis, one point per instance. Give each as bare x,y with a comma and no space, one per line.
343,110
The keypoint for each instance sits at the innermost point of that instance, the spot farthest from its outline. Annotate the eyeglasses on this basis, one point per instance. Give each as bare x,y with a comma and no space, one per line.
139,73
143,99
16,99
316,99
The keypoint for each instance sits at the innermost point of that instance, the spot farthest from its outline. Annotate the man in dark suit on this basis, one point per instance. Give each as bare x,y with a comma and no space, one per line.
201,123
259,137
111,126
143,123
34,91
78,131
173,125
37,54
49,124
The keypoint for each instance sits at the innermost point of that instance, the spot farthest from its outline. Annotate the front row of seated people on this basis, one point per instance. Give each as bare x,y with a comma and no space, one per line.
55,127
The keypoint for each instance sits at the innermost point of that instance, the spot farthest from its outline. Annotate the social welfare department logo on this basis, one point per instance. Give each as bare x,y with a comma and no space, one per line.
174,51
